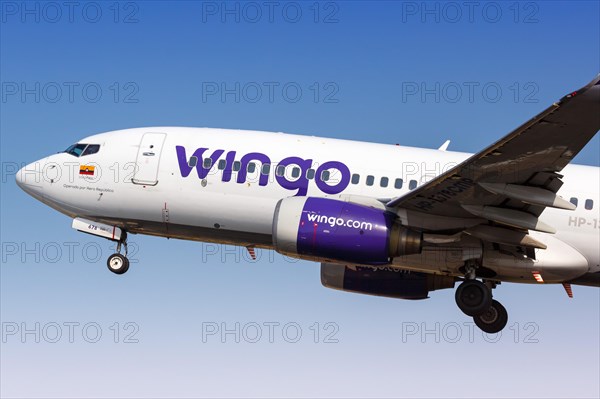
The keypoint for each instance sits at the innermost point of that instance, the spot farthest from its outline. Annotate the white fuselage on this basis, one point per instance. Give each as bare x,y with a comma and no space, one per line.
143,189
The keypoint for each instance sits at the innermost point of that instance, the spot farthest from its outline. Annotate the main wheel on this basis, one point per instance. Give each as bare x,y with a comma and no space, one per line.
473,297
492,320
117,263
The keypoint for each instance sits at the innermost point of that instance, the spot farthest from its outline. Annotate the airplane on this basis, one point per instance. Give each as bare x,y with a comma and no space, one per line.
381,219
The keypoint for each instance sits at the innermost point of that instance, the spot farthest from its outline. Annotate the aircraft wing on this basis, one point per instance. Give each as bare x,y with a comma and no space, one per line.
512,181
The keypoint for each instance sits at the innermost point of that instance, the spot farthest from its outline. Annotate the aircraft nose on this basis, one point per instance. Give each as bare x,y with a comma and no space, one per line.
29,178
19,178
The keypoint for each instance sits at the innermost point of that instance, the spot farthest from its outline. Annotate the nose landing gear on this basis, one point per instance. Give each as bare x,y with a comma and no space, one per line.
118,263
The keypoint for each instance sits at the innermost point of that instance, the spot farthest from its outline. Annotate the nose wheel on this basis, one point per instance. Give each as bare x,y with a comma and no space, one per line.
118,263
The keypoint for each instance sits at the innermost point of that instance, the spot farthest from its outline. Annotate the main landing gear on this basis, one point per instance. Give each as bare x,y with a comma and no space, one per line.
474,298
118,263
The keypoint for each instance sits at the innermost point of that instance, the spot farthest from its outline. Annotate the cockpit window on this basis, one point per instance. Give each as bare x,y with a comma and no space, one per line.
91,149
80,149
76,149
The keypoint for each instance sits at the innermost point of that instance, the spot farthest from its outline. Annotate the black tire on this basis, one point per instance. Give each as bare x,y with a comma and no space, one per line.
492,320
473,297
117,263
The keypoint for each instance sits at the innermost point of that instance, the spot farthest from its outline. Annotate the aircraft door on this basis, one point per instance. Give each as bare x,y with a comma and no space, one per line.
148,159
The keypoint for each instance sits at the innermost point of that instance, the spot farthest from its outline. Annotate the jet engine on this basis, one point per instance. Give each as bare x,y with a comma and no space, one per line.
385,282
329,230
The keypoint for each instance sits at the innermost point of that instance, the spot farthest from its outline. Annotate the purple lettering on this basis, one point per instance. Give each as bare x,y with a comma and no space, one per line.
300,184
338,188
228,166
253,156
184,164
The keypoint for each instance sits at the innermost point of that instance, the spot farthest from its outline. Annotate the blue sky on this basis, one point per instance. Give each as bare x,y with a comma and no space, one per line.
392,72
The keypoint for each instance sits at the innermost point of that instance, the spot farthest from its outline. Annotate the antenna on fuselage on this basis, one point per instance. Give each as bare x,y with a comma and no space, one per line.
444,146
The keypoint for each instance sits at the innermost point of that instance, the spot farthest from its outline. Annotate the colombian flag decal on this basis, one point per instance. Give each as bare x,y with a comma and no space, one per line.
86,170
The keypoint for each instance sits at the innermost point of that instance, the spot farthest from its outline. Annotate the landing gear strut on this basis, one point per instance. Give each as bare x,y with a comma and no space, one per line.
116,262
474,298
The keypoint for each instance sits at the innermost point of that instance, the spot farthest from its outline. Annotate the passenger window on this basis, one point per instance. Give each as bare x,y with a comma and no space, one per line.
236,166
412,184
325,175
384,182
370,180
207,163
310,174
91,149
251,167
589,204
193,161
355,178
222,164
280,171
398,183
266,168
296,172
574,201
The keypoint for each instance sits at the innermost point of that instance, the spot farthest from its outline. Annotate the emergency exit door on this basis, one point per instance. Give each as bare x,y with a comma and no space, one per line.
148,159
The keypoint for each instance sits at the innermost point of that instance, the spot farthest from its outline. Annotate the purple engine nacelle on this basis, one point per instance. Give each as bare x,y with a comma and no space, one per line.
325,230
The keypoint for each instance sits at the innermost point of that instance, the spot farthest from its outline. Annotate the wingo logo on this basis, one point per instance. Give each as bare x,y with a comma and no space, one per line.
334,221
300,184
